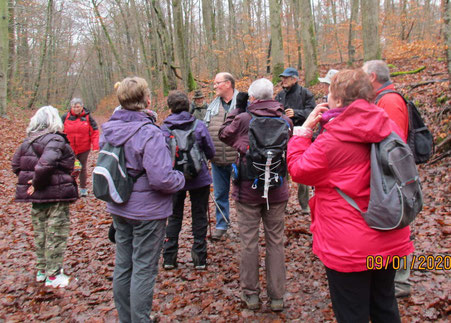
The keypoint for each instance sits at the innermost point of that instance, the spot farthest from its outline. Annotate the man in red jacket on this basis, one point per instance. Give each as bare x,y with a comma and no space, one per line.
396,108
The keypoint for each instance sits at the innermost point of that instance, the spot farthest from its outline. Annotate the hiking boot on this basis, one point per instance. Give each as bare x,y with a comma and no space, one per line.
217,235
59,280
198,263
276,305
252,302
306,210
402,290
40,276
169,261
83,192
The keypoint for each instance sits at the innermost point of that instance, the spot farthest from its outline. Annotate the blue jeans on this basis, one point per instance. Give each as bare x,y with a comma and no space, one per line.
221,187
138,248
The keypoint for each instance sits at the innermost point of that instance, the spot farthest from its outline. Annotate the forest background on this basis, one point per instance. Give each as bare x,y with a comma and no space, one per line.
53,50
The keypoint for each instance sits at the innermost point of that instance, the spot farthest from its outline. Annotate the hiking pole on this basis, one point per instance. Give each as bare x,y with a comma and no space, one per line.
220,211
208,214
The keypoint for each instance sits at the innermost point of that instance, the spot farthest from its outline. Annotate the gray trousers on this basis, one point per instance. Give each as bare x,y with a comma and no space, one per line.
138,248
303,195
249,216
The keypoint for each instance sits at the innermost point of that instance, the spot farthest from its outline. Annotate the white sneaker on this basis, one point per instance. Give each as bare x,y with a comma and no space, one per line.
59,280
40,276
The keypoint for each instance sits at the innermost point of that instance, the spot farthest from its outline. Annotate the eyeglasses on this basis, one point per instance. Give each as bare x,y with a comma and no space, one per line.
217,83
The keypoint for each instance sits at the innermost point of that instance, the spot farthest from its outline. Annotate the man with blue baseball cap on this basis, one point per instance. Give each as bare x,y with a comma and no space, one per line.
298,102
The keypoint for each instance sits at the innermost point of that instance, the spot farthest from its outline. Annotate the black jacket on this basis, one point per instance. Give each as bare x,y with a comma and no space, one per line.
300,100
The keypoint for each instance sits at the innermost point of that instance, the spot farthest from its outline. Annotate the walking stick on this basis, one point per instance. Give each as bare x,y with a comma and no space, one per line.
208,214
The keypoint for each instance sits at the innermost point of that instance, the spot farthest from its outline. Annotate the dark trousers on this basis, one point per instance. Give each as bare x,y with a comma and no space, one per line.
199,204
83,158
138,249
364,296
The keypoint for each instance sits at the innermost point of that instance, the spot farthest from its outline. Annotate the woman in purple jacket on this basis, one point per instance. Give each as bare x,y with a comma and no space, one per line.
44,163
198,187
140,222
252,208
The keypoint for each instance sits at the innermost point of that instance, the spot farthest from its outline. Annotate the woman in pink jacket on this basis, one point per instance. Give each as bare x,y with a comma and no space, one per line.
340,157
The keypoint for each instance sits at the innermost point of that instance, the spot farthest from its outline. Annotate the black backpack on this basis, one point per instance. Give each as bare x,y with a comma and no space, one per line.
186,154
395,189
110,179
266,162
419,137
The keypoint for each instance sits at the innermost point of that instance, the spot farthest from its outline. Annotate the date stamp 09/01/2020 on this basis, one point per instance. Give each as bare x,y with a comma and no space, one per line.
418,262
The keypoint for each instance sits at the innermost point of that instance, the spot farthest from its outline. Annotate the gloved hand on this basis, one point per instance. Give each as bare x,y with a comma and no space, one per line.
241,101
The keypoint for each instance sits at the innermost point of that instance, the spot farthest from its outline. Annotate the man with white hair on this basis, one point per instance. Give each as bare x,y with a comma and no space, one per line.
298,102
392,103
221,163
395,106
252,208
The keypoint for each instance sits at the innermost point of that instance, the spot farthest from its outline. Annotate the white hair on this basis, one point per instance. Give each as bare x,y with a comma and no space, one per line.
261,89
379,68
75,101
45,119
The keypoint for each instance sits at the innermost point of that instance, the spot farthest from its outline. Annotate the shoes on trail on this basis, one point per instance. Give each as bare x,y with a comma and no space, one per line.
217,235
83,192
402,290
200,263
56,281
276,305
169,266
306,210
40,276
252,302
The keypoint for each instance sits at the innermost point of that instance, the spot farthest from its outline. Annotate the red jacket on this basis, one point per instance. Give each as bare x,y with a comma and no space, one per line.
396,108
82,131
340,157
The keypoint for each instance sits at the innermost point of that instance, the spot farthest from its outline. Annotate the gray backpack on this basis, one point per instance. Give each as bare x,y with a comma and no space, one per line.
110,179
395,197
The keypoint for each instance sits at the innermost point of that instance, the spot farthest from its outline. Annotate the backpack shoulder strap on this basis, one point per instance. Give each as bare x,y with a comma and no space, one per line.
380,95
348,199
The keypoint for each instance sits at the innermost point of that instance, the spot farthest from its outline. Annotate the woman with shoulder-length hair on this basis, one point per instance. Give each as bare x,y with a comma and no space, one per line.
340,158
141,221
44,164
83,134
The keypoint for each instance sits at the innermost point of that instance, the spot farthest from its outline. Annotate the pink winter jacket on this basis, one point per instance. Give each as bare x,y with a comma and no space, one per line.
340,157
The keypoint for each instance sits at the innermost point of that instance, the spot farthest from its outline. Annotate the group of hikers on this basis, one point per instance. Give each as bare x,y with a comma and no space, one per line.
254,140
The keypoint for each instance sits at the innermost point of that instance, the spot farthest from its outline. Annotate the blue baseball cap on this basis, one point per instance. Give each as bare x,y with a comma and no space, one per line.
290,71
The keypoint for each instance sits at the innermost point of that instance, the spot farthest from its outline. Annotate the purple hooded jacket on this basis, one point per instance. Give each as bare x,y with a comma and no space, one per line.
234,132
145,149
184,120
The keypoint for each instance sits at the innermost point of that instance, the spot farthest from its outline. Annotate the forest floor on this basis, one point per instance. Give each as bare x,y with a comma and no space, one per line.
213,295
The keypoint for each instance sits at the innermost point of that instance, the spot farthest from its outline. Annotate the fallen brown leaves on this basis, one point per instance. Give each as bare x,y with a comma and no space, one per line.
213,295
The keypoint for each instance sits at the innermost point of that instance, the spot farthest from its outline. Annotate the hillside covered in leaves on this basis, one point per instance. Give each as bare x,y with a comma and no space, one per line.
213,295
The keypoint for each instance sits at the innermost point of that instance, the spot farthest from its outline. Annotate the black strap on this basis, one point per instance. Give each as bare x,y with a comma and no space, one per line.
380,95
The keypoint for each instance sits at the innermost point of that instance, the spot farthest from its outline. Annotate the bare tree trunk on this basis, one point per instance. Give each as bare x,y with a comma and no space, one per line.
125,18
334,17
169,81
210,33
12,47
309,43
49,57
188,80
4,54
297,26
277,55
107,35
352,22
43,54
370,29
447,19
141,40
